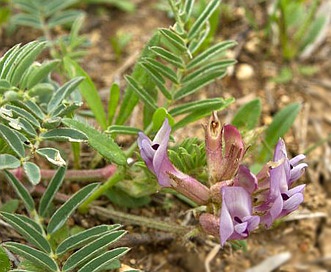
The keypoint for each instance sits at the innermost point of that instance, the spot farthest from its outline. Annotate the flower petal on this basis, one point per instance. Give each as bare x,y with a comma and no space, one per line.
246,179
226,225
280,151
296,172
294,161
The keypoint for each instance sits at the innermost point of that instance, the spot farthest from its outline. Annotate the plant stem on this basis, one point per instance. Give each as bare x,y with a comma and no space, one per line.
100,174
118,176
141,221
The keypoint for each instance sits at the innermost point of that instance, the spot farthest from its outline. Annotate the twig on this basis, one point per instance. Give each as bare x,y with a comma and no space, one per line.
211,255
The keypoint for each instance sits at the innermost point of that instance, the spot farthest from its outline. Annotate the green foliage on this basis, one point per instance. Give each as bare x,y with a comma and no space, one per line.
248,115
280,124
81,251
44,14
99,141
88,90
298,23
175,66
123,199
119,42
125,5
10,206
247,118
31,109
4,260
190,157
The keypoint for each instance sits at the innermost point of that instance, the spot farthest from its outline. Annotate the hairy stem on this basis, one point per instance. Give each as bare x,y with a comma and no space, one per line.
94,175
138,220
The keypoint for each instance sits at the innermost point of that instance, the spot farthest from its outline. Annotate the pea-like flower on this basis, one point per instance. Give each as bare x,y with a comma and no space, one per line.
236,220
155,155
280,199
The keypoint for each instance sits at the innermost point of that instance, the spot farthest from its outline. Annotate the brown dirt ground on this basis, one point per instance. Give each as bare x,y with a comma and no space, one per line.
306,234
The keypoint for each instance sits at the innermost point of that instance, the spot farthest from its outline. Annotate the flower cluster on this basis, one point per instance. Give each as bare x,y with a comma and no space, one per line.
237,201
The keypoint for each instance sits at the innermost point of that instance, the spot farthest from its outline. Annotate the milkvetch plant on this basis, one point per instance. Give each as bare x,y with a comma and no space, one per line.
36,111
236,201
87,250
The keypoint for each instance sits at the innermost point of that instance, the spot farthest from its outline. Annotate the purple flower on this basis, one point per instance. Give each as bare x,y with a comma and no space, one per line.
280,199
246,179
155,155
236,220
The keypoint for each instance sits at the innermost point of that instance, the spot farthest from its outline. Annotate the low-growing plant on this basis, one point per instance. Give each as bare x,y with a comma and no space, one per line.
32,106
49,248
176,63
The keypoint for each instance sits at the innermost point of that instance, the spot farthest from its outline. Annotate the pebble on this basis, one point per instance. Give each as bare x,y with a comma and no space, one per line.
244,71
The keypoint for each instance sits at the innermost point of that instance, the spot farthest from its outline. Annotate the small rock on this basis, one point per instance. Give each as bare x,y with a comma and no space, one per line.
244,71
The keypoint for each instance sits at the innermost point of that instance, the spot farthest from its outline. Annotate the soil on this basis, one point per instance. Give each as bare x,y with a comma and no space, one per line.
304,238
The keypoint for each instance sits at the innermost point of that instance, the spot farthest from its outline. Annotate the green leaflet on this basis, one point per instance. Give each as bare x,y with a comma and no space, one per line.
39,73
173,38
64,134
4,260
52,155
130,99
161,68
210,54
116,129
200,113
99,141
210,104
84,237
203,18
28,232
280,124
87,252
24,114
63,17
104,259
33,255
114,97
141,92
248,115
8,162
25,58
199,82
32,171
21,191
63,92
62,214
158,79
51,190
168,56
12,140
